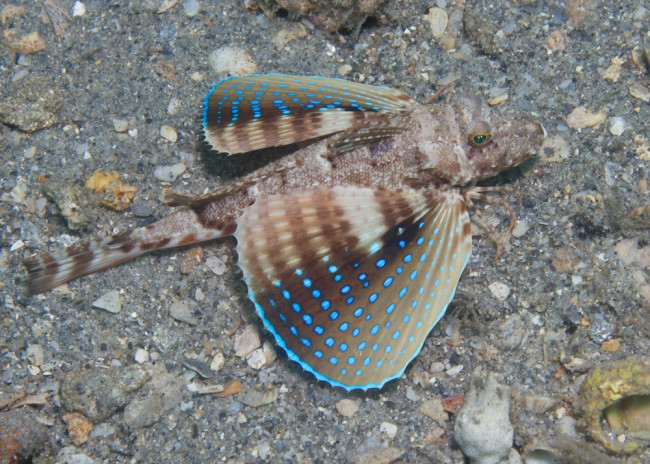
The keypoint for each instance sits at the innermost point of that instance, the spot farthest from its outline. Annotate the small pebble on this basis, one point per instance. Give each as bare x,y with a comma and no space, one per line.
17,245
35,355
99,393
182,312
79,427
558,146
498,99
540,404
71,455
455,370
217,361
264,451
411,395
246,341
344,69
81,149
581,118
269,352
79,9
433,408
347,408
103,430
143,209
257,398
256,360
20,74
200,367
640,91
166,6
232,60
438,20
374,453
234,408
616,126
389,429
109,302
520,229
191,7
186,158
30,152
436,367
169,133
515,458
120,125
290,33
141,356
28,43
215,265
576,280
172,107
169,173
499,290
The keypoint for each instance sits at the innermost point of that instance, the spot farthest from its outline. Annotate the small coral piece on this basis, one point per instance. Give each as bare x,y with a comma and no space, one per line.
619,392
111,183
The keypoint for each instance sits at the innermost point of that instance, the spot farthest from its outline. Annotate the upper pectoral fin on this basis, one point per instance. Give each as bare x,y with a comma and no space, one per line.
248,113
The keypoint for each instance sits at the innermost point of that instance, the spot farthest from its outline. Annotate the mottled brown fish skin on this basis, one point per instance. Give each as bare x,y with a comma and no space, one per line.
435,152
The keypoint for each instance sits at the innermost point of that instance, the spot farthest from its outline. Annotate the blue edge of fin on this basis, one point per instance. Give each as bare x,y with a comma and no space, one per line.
295,358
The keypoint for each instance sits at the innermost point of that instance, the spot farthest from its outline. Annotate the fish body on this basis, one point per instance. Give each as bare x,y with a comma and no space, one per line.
351,247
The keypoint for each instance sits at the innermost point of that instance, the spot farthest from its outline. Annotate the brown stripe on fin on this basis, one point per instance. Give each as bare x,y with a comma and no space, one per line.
351,280
186,226
248,113
49,270
339,222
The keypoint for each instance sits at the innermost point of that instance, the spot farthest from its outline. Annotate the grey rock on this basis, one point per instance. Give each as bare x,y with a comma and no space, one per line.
143,208
161,396
102,430
216,265
433,408
257,398
181,311
169,173
71,455
97,394
21,431
483,429
191,7
200,367
235,407
109,301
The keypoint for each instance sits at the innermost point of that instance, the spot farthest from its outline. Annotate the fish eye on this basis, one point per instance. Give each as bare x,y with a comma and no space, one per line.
479,139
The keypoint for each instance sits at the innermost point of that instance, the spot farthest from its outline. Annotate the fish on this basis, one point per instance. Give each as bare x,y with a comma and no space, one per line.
352,246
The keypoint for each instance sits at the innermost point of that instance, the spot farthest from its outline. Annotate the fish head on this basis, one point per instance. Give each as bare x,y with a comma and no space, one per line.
467,140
